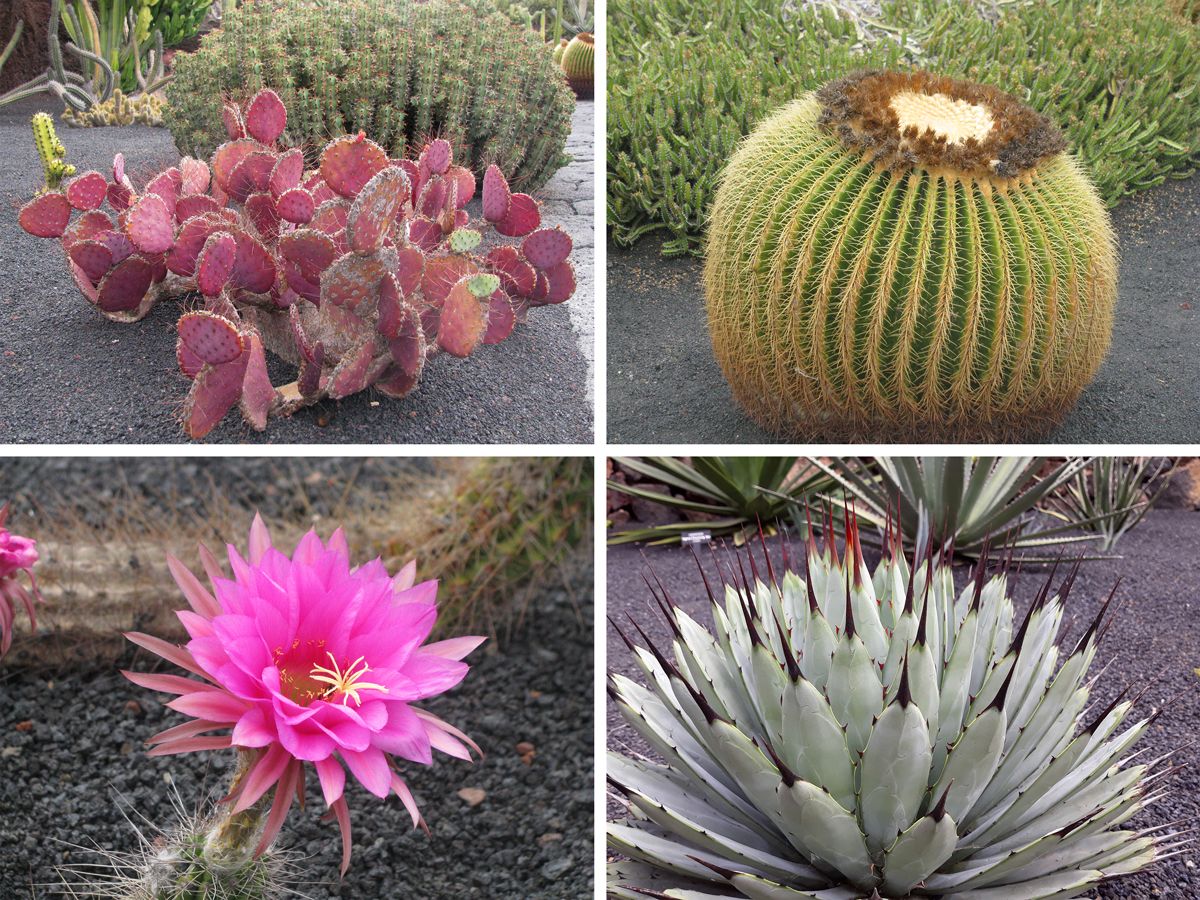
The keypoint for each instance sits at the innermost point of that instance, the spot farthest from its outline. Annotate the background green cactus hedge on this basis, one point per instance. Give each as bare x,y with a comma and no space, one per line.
400,70
687,81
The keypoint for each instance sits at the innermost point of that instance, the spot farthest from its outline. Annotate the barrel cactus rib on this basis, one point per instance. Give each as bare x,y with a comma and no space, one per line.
905,255
851,734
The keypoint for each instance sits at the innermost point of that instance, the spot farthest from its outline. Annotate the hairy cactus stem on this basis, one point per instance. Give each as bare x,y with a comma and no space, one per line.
234,835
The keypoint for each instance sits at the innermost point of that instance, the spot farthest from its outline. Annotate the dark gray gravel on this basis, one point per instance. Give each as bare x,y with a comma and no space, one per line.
67,375
664,386
531,837
1154,636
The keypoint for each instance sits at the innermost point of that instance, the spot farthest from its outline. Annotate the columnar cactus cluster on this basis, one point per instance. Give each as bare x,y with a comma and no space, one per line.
356,271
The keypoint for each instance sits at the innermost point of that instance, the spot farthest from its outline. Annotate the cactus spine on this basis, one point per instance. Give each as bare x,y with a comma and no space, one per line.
577,60
50,150
903,255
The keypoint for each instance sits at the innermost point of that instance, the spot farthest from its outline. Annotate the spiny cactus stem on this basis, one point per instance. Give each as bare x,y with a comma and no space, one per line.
233,837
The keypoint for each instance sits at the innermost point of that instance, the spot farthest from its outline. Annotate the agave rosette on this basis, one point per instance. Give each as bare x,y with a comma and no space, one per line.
308,660
839,734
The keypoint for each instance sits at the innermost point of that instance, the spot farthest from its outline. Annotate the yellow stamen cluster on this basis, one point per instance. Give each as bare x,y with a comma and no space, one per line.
346,682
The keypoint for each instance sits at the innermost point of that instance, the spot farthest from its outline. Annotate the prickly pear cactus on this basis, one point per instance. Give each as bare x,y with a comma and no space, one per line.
576,61
908,256
356,271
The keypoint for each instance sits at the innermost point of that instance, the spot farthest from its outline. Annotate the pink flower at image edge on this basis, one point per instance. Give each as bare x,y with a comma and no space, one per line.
17,554
309,660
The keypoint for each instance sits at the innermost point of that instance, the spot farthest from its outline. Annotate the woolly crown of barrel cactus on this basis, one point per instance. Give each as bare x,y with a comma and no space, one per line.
840,735
398,69
906,255
356,272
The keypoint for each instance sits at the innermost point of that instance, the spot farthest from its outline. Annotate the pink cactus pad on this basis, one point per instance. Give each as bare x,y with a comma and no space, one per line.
288,171
231,116
396,383
432,202
189,361
353,284
374,209
312,251
517,277
541,289
560,282
251,175
90,226
215,265
522,218
308,381
93,258
150,224
195,176
438,155
547,247
408,347
266,117
442,273
190,241
227,158
331,218
120,195
353,373
392,307
425,234
194,205
119,245
118,170
213,393
46,216
258,396
83,282
214,339
296,206
464,180
410,267
298,284
87,191
496,195
463,321
322,193
168,186
260,209
348,163
125,286
501,320
254,268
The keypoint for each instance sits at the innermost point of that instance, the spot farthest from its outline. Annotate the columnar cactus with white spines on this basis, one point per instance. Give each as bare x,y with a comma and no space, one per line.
840,735
356,272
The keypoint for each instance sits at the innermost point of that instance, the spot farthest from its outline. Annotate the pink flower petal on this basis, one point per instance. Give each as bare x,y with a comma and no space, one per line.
214,705
168,684
306,742
252,729
405,735
284,793
425,592
433,721
265,772
439,740
332,777
371,769
190,745
260,540
453,648
187,729
169,652
406,797
196,625
196,594
433,675
342,812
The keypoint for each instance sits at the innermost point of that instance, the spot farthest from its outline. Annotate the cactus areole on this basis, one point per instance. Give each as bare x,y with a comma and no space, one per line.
902,255
356,272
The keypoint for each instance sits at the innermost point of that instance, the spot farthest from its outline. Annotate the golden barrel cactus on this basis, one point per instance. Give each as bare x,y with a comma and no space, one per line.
903,255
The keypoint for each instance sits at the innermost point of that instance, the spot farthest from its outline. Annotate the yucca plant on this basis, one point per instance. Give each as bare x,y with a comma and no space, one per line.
730,495
1110,496
839,735
962,501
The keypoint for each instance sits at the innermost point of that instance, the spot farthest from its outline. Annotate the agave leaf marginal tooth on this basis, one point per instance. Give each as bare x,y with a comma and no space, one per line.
920,850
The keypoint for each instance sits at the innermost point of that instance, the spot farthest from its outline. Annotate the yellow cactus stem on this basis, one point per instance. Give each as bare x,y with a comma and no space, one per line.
51,151
907,256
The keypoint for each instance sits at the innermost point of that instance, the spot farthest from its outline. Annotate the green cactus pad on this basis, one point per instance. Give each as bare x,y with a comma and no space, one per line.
483,285
904,255
463,240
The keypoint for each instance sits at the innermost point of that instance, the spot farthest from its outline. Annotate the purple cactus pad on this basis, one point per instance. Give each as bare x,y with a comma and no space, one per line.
150,224
522,218
46,216
214,339
87,191
496,195
374,209
348,163
214,266
125,286
547,247
266,117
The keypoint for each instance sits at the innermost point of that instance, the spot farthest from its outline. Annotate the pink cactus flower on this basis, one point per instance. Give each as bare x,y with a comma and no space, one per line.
309,660
17,554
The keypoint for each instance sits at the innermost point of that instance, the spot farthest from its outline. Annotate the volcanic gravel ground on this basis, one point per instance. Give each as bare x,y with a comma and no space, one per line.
1152,640
664,385
70,746
68,375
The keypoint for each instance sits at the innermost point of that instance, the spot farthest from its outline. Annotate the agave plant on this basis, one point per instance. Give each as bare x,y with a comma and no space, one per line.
840,735
730,495
1111,496
959,501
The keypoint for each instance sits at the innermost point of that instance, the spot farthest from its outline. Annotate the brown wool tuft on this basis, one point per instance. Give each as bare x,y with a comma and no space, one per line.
998,137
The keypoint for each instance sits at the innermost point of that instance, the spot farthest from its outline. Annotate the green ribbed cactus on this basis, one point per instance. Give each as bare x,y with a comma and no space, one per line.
401,70
908,256
50,150
577,60
119,109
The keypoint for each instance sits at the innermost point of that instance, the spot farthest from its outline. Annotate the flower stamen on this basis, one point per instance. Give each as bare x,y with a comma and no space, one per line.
347,683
